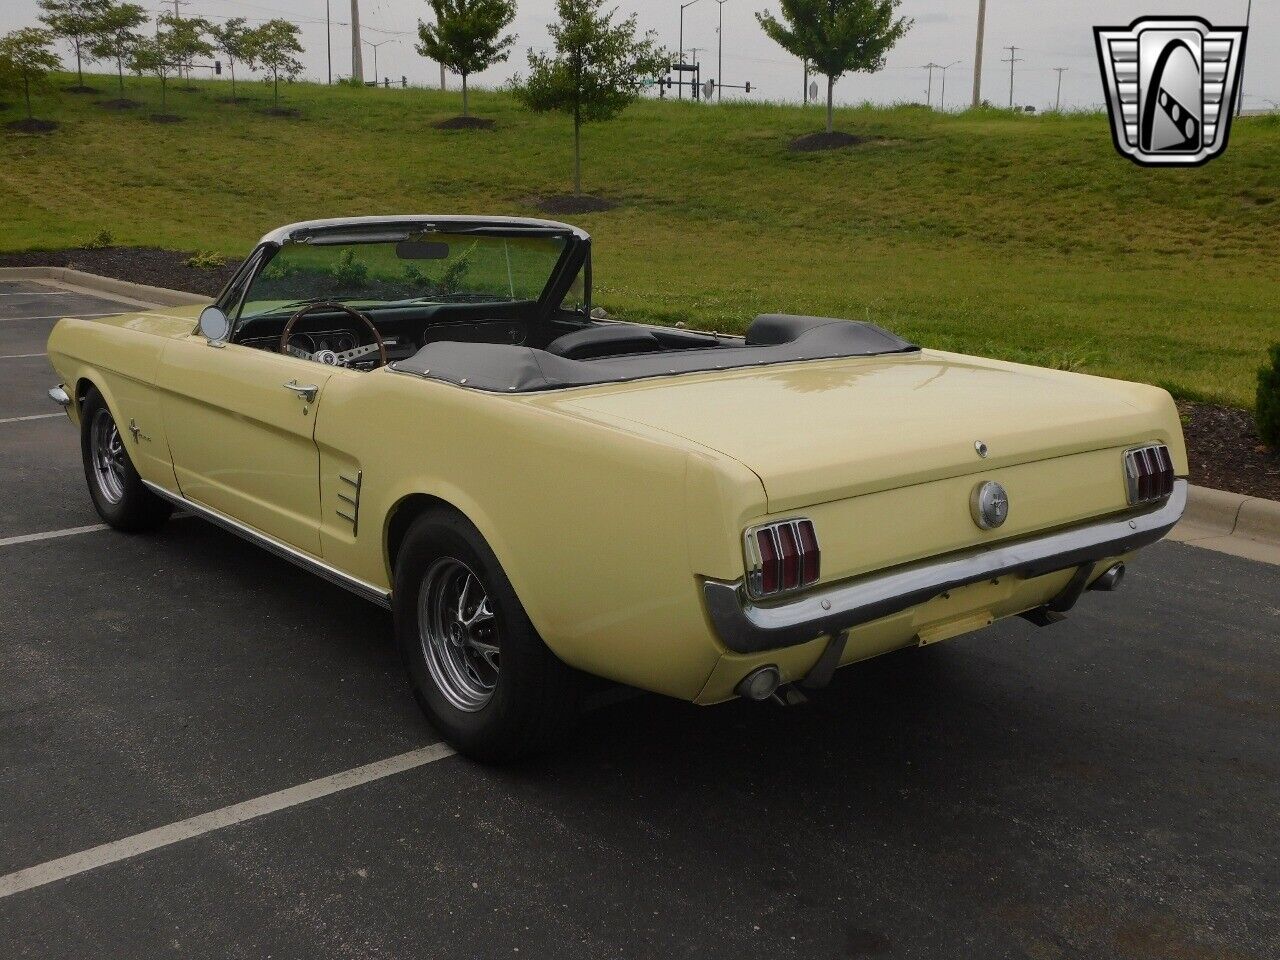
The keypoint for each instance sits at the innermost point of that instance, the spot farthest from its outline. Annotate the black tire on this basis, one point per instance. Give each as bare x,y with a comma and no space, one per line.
533,700
118,494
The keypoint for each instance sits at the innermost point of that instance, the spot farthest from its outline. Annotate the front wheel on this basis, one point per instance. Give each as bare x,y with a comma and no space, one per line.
479,670
118,493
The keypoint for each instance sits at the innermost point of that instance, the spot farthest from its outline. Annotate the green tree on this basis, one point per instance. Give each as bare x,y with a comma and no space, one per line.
74,21
235,41
25,60
595,71
837,36
115,36
274,46
186,39
466,37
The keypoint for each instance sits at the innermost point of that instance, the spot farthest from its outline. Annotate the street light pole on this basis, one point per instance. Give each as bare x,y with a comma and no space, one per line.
375,56
943,106
680,92
720,53
328,46
1248,16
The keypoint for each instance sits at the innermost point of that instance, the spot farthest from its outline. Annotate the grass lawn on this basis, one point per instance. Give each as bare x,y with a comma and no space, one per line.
1020,237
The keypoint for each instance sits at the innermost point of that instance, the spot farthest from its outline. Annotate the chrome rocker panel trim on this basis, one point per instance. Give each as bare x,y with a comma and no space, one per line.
304,560
745,627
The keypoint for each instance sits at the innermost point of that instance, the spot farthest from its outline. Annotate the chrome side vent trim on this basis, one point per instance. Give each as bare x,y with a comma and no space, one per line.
352,500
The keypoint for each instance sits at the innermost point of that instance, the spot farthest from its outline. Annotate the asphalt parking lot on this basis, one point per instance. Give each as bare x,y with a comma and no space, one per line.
1108,787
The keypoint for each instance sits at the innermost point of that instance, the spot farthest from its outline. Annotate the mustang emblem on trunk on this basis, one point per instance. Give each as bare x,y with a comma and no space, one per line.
989,505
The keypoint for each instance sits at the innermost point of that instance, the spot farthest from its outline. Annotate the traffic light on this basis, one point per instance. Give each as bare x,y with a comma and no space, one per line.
217,67
747,88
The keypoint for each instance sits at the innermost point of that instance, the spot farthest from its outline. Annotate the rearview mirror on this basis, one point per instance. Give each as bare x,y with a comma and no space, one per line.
214,325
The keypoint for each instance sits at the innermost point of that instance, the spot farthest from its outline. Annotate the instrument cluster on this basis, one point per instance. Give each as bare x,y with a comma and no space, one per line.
335,340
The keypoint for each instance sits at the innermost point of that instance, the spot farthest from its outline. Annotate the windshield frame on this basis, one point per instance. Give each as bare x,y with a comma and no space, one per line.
575,257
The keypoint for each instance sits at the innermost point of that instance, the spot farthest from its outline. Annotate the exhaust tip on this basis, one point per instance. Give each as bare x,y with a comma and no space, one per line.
1110,579
760,684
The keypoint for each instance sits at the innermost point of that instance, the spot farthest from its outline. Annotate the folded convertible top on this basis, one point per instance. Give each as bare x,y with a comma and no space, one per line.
772,338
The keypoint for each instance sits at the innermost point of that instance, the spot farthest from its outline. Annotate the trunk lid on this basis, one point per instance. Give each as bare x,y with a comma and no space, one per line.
821,431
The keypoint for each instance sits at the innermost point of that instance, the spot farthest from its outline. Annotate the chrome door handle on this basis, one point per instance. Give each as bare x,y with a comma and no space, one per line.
307,391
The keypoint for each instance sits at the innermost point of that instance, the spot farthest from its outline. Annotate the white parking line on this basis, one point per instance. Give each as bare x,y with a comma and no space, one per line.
21,356
141,843
32,416
51,534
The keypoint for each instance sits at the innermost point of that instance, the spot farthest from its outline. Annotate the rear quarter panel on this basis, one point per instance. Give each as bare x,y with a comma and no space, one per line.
588,521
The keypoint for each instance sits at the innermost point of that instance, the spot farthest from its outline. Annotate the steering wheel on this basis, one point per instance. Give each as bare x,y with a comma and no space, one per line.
334,358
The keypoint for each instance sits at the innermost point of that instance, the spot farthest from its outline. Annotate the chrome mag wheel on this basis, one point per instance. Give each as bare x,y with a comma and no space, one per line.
458,633
106,451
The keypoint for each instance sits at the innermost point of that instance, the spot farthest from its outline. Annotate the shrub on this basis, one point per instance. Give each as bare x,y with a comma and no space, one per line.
102,238
349,272
205,260
1269,400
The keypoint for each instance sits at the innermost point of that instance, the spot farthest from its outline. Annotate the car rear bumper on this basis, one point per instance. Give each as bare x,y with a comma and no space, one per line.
746,627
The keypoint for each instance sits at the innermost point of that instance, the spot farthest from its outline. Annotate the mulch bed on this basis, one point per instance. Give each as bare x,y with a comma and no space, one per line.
562,203
812,142
80,89
149,265
119,103
32,126
1226,452
464,123
165,118
292,112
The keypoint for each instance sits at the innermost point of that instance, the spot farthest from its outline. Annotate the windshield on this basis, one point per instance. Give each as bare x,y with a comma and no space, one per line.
424,268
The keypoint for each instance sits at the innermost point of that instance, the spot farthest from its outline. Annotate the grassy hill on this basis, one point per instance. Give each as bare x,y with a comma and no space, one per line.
1020,237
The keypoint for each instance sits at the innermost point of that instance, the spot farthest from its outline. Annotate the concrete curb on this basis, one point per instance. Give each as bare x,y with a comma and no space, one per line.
92,283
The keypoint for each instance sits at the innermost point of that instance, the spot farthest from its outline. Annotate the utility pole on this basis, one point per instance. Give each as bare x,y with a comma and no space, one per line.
1057,107
953,63
1013,58
930,66
697,83
357,56
720,53
1248,16
805,94
328,45
977,56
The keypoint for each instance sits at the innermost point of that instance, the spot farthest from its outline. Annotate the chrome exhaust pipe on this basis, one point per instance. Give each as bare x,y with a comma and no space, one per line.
1110,580
760,684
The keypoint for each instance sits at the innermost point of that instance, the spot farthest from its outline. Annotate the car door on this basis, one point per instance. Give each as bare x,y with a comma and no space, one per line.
241,429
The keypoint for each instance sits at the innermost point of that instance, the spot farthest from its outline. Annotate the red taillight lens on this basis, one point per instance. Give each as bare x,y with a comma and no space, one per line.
810,555
769,572
786,557
1149,473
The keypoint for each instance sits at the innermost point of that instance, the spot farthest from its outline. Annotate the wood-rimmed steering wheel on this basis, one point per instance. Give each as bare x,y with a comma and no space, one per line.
334,358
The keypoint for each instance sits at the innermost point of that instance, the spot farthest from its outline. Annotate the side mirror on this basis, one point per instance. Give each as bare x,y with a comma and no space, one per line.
214,325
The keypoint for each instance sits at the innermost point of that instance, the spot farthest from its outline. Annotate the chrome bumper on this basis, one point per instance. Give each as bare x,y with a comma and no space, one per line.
745,627
58,395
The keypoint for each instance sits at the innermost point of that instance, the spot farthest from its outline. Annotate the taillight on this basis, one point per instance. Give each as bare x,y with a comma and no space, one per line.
1148,473
782,557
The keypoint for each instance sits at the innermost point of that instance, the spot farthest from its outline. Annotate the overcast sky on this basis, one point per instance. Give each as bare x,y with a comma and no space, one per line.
1047,34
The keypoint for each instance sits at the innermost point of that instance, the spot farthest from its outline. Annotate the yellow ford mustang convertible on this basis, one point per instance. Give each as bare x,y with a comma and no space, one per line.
425,410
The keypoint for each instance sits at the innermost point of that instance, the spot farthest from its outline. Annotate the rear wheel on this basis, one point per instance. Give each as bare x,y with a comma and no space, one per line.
118,493
479,670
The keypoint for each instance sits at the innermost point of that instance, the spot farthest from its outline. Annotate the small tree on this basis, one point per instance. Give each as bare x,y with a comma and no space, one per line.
155,55
1268,414
274,46
234,40
115,36
25,60
837,36
466,36
186,38
76,22
595,72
